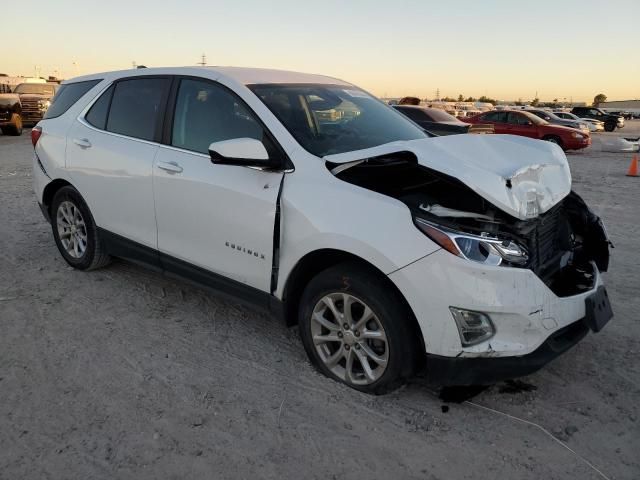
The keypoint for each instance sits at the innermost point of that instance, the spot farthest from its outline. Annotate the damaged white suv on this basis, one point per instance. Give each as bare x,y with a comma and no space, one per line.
465,257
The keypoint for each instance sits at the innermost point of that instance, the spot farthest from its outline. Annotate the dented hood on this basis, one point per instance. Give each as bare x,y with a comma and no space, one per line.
521,176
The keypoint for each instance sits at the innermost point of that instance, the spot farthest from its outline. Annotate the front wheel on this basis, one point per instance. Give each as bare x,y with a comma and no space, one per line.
356,329
75,232
554,139
609,127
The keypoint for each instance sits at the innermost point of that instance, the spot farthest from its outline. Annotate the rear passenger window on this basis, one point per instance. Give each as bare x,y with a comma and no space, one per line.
207,113
67,95
136,107
97,114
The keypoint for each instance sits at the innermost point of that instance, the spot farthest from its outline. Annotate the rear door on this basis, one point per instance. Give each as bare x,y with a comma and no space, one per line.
110,153
219,218
497,119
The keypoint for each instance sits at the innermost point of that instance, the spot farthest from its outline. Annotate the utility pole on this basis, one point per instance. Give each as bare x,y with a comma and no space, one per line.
134,65
437,94
203,60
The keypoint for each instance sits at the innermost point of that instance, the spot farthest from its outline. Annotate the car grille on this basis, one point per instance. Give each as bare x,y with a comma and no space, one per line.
30,109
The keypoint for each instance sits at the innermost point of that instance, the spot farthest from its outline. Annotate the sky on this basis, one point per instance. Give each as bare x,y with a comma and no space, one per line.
508,50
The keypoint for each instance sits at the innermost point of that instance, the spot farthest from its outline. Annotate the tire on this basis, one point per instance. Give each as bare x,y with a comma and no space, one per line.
387,336
16,128
609,127
4,130
554,139
75,231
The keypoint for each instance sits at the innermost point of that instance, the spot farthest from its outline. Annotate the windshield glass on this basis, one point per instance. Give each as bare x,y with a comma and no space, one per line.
441,116
331,119
534,118
35,88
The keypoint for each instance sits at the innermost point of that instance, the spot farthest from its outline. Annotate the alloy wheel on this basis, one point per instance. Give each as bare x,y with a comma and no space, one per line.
349,339
71,229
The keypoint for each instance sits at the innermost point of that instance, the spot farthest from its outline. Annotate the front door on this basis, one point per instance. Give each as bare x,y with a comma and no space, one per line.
216,217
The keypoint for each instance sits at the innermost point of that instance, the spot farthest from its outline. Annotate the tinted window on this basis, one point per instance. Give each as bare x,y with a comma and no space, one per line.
438,115
518,119
207,113
97,114
498,117
67,95
136,107
415,114
332,119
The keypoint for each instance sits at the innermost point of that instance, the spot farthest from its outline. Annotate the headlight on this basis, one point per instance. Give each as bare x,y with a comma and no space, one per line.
577,135
44,105
482,249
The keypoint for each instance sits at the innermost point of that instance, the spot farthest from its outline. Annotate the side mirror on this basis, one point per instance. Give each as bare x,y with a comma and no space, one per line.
247,152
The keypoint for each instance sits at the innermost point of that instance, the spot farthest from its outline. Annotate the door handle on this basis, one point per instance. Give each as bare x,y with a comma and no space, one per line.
82,142
171,167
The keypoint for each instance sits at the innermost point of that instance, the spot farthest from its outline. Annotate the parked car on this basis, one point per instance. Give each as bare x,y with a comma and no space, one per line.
467,256
557,120
521,122
440,122
35,99
610,121
10,114
594,125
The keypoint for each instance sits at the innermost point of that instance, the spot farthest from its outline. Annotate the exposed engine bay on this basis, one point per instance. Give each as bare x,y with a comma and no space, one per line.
560,244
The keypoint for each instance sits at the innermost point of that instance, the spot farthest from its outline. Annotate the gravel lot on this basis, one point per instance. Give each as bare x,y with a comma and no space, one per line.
122,373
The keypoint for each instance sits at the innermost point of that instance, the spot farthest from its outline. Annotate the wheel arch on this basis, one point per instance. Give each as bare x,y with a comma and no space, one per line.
50,190
315,262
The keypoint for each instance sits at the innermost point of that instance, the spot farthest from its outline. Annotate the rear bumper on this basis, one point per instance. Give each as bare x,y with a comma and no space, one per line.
461,371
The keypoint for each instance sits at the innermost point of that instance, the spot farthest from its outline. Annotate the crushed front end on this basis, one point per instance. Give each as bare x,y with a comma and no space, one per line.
504,295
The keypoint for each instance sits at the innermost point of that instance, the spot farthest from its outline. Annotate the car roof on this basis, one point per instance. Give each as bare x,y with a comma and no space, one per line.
244,76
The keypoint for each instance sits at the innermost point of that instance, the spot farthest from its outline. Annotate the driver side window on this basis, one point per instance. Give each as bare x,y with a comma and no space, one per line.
517,119
207,113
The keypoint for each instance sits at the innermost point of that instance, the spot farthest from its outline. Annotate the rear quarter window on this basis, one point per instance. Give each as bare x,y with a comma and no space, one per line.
67,95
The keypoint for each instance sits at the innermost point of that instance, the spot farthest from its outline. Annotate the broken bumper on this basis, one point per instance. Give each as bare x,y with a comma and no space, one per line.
525,312
461,371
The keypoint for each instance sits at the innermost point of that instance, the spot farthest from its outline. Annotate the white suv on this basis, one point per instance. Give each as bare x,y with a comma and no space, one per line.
465,257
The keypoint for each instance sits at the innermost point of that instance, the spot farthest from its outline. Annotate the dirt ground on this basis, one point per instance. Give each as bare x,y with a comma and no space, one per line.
122,373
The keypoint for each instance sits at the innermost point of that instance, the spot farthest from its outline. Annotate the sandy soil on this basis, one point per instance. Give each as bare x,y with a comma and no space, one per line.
121,373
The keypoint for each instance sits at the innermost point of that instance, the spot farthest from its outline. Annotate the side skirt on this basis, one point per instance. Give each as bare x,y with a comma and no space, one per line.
122,247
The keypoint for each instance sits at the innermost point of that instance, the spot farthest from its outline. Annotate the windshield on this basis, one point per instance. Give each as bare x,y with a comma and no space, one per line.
534,118
331,119
35,88
441,116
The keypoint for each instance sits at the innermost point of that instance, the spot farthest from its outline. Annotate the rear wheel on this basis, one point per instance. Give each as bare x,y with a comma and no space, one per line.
356,330
75,231
609,127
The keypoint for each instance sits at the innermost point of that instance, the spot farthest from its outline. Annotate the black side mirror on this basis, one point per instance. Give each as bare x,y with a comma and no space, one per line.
245,152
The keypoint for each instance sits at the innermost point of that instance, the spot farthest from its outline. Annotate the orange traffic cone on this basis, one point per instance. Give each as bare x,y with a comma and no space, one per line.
633,168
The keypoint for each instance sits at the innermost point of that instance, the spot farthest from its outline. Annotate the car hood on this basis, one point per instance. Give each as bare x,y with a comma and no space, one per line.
521,176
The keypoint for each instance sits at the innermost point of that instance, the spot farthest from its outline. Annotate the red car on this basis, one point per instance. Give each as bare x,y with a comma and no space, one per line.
523,123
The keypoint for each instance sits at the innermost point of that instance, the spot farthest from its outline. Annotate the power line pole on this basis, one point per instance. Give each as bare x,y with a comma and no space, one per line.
203,60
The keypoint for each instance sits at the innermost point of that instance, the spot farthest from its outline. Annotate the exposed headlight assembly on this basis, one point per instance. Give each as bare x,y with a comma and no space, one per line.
482,249
577,135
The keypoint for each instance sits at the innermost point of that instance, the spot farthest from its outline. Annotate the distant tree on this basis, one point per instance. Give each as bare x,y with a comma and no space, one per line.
409,101
460,98
535,102
598,99
485,99
470,99
555,100
448,99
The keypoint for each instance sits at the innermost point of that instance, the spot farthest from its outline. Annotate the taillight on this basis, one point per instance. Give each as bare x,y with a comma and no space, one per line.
35,135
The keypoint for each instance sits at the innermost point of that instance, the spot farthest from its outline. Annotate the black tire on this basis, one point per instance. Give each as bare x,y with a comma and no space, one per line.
554,139
4,130
609,127
95,254
373,289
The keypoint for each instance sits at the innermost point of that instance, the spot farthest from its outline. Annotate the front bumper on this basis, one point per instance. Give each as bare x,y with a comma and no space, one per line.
577,144
523,309
461,371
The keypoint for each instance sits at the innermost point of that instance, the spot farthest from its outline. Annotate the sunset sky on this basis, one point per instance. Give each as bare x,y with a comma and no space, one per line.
502,49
